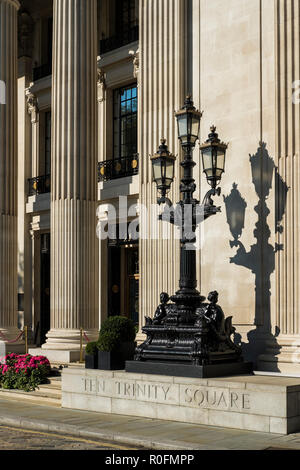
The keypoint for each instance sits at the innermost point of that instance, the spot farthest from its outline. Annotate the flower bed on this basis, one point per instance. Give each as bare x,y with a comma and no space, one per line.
23,371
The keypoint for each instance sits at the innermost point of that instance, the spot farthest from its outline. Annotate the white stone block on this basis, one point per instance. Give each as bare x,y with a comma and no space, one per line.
233,404
134,408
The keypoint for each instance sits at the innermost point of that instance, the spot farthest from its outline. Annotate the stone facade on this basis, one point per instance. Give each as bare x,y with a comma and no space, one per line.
240,61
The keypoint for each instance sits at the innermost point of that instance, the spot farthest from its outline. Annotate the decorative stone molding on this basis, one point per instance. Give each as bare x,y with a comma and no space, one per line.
32,105
101,86
39,222
136,62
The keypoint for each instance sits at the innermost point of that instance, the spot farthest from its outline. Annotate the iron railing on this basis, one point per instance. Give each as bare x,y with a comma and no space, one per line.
42,71
118,168
39,185
119,40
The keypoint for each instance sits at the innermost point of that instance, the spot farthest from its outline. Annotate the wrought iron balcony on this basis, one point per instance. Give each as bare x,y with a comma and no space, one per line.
118,168
39,185
42,71
119,40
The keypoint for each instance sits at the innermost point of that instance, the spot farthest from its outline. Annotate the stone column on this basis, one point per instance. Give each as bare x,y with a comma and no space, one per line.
161,90
74,253
8,171
283,353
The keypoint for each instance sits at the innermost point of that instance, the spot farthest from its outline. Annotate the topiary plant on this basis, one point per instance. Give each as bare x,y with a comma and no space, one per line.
115,330
91,348
108,341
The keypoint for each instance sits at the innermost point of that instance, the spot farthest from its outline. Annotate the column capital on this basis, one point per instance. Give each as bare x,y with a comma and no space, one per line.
14,3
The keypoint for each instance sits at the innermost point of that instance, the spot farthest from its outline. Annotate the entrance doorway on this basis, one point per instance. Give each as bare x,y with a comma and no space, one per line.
123,281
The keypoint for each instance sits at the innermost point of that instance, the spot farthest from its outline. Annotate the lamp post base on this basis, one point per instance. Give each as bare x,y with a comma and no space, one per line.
189,370
189,339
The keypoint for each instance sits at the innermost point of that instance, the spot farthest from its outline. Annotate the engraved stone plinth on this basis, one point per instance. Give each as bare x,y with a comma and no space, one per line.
256,403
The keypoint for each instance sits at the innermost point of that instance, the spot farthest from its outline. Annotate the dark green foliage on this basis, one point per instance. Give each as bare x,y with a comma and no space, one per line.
115,330
91,348
108,341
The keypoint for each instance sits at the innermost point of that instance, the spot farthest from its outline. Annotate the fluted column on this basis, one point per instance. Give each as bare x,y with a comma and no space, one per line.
8,169
161,91
74,286
283,354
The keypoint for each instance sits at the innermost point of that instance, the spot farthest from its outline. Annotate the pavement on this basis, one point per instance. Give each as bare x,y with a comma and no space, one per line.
141,432
12,439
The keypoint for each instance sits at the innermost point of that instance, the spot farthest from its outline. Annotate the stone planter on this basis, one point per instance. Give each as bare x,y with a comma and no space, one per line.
91,361
115,360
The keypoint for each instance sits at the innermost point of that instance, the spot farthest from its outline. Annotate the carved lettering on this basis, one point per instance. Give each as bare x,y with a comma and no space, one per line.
188,398
246,402
222,399
127,389
211,398
165,392
140,390
101,386
155,391
196,398
90,385
233,399
216,398
201,397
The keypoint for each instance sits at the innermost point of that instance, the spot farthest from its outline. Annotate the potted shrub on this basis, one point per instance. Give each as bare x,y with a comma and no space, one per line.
116,343
91,355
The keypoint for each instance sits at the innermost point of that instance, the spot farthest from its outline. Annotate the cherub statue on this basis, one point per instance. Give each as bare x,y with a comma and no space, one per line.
221,328
214,314
161,311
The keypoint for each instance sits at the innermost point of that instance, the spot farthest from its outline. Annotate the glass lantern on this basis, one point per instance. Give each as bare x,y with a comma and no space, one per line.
188,123
213,158
163,166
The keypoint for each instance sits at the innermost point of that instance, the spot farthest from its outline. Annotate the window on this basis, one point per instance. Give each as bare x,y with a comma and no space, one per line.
123,27
126,16
45,67
125,122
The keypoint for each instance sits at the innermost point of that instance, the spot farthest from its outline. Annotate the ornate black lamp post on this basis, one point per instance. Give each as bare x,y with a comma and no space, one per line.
189,337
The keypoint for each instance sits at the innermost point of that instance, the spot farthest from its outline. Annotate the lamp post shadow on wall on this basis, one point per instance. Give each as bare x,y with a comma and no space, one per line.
260,258
188,337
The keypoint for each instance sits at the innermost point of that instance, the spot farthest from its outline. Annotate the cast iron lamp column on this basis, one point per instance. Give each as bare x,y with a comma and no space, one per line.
188,337
188,121
187,298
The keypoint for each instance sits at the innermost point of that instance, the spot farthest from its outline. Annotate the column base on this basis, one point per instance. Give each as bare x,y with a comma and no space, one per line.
282,355
6,347
55,355
67,339
63,345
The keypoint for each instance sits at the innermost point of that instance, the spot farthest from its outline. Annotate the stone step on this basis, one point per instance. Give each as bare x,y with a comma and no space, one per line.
53,383
37,397
48,391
